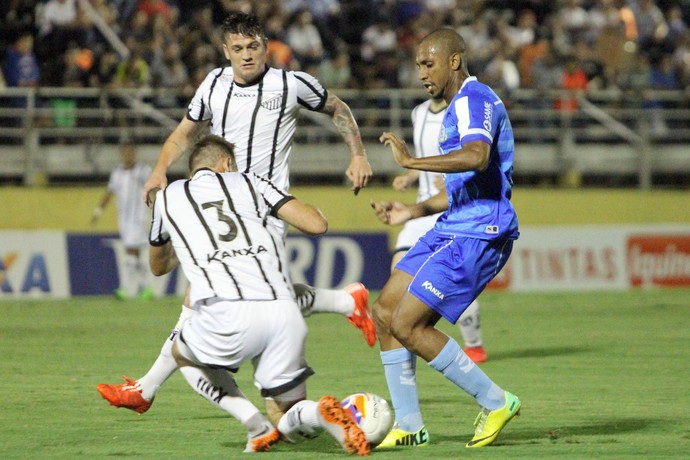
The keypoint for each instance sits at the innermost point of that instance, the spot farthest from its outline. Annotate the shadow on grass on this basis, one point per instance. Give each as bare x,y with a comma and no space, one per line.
539,352
514,435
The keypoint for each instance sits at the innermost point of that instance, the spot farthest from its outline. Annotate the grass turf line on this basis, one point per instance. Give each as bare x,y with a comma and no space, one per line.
601,375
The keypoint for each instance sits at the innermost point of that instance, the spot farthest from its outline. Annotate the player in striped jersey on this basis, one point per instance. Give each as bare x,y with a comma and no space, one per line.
133,219
452,263
255,107
215,226
426,124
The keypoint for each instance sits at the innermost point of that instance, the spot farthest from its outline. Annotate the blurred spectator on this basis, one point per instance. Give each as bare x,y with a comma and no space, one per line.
156,7
574,19
168,71
502,74
527,57
125,8
588,59
105,69
20,68
479,43
61,22
378,38
574,80
279,53
20,65
199,30
603,18
304,39
133,72
138,33
438,12
652,29
676,24
524,31
681,59
335,73
636,83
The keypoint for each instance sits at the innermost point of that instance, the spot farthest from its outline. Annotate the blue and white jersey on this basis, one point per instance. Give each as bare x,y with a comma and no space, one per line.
479,202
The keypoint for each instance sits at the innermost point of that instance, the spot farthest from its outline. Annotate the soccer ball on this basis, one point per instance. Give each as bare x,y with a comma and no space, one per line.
372,413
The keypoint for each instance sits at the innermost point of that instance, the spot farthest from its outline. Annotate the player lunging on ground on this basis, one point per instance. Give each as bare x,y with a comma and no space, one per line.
214,224
449,266
255,107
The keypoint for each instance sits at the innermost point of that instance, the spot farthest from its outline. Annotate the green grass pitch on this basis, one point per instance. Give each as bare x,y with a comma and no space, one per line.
600,375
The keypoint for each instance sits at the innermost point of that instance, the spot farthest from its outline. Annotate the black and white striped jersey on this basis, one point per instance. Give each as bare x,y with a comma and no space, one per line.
260,119
217,225
426,127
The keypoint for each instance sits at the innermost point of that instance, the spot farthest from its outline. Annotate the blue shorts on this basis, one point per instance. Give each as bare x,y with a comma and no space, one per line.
449,272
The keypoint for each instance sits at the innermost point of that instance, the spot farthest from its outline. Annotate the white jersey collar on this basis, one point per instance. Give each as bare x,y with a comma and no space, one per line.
467,80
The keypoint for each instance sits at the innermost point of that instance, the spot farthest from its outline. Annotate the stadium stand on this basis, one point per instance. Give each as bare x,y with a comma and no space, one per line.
598,90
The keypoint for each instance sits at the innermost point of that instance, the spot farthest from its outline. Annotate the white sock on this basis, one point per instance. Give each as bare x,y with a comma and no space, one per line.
219,388
144,275
130,282
470,326
165,365
301,421
333,301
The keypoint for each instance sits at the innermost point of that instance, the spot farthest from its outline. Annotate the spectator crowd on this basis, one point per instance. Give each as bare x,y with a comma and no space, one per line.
628,45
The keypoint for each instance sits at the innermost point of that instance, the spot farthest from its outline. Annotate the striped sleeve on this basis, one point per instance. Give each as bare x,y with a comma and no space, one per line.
198,109
272,195
158,235
310,93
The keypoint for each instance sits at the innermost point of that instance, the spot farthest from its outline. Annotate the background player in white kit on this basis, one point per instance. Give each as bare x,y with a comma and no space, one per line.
426,122
214,225
133,218
255,107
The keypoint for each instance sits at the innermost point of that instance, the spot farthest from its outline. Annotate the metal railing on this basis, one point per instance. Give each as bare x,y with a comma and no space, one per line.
651,128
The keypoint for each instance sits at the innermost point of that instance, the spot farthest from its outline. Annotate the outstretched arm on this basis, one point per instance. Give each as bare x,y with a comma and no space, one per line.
304,217
174,147
396,212
98,211
359,171
473,156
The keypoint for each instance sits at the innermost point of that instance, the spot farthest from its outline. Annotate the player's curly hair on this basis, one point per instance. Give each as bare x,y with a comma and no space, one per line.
245,24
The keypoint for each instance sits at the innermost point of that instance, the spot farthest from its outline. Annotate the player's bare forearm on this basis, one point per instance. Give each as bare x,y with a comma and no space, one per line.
473,156
162,259
345,123
391,212
359,170
173,148
435,204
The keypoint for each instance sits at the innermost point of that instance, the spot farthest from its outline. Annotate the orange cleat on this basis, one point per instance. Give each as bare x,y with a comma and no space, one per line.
476,354
264,440
127,395
342,426
361,318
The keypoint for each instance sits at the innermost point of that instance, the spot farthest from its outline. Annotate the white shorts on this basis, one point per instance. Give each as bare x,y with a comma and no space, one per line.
224,334
134,234
413,230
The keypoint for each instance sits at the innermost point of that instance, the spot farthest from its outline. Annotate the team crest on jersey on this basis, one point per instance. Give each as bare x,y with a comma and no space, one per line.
272,103
442,136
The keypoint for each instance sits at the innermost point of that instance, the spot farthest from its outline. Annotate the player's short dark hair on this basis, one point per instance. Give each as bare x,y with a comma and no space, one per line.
208,150
245,24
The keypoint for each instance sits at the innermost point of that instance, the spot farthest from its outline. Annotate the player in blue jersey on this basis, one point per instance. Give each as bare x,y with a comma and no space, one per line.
449,266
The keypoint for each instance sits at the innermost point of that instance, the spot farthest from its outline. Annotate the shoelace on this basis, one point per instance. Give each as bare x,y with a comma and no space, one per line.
480,421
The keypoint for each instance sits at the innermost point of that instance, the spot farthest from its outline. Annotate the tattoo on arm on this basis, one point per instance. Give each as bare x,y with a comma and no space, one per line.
345,123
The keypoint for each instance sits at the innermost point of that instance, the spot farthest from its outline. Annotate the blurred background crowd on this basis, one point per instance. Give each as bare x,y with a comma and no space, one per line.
624,45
